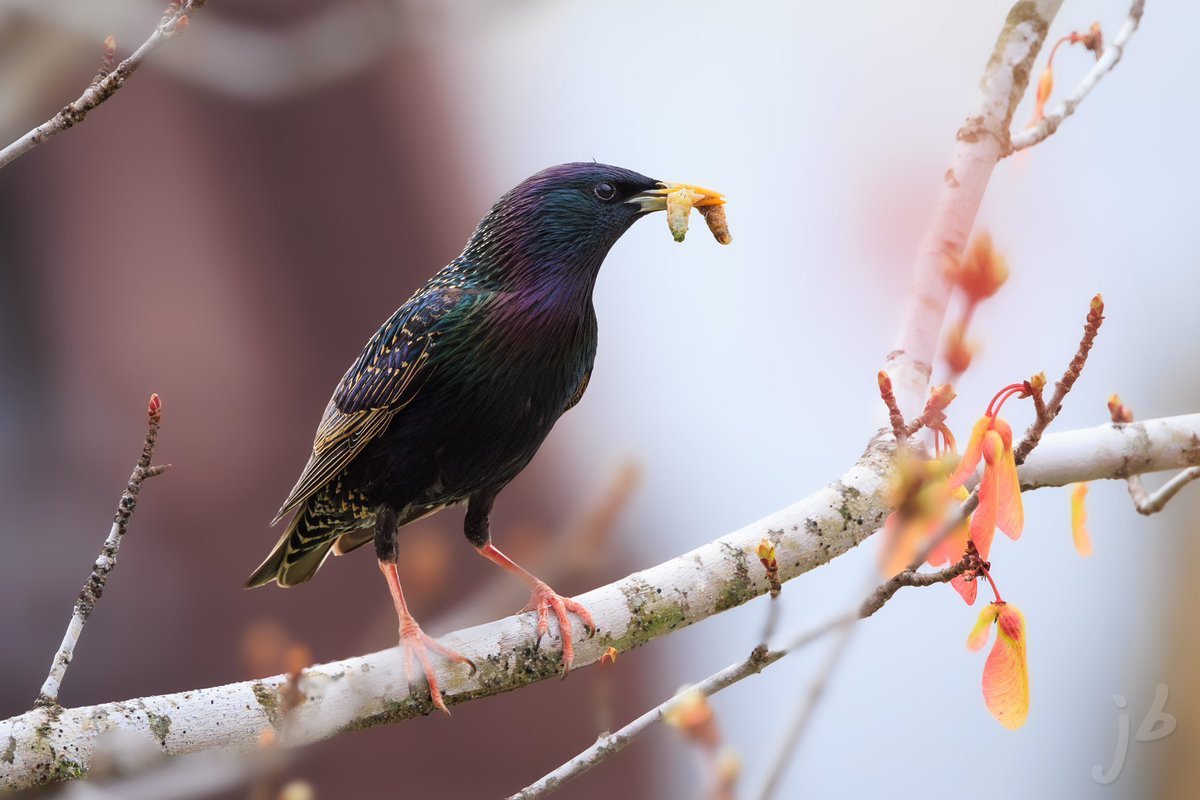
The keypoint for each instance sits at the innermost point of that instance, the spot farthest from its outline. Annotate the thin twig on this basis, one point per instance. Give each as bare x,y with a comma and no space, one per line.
767,557
895,417
804,711
1112,55
803,714
174,21
1148,504
760,658
911,577
106,561
1033,435
612,743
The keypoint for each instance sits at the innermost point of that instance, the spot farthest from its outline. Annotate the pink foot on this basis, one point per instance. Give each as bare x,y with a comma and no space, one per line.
416,642
543,600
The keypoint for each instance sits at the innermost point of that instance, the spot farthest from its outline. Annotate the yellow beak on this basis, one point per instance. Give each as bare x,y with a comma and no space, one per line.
656,199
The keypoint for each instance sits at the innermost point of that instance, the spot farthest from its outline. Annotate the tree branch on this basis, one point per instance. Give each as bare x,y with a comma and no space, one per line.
1112,55
981,141
173,23
106,561
49,743
1153,503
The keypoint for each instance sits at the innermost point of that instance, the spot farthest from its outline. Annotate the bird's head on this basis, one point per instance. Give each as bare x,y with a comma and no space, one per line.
563,220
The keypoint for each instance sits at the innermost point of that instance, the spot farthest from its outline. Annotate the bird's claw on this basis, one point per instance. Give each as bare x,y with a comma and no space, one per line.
416,642
543,600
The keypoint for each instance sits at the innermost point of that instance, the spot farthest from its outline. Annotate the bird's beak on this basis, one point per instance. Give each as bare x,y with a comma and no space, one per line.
656,199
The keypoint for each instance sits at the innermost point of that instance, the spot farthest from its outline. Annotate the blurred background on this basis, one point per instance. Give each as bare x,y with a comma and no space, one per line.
231,228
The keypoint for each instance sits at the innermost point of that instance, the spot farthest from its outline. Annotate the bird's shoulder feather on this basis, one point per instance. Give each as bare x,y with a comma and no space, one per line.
387,375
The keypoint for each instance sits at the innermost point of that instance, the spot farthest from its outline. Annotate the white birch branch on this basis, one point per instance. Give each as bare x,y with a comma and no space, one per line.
1112,54
1114,451
46,744
102,88
1147,504
980,143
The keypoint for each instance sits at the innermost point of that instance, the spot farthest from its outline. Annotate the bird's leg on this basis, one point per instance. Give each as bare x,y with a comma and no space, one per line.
543,599
414,640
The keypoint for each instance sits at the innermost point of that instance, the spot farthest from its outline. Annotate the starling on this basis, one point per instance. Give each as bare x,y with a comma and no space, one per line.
455,392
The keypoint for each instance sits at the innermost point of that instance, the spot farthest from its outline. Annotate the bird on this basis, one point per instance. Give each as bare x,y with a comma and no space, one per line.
453,395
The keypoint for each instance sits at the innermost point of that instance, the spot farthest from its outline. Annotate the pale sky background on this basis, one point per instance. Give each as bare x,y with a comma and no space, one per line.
744,377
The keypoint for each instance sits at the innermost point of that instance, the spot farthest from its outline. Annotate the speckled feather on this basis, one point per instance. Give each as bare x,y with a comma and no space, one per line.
456,391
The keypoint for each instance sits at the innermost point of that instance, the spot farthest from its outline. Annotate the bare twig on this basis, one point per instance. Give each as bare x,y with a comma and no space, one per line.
767,557
1033,435
1112,55
1148,504
612,743
760,658
104,86
911,577
899,429
845,627
804,710
106,561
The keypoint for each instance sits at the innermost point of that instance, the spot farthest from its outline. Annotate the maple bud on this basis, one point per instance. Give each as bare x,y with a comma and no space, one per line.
1119,412
958,353
940,397
110,55
981,271
766,552
154,409
692,716
1094,40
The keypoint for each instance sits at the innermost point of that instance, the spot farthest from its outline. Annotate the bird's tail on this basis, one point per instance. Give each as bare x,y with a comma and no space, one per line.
304,546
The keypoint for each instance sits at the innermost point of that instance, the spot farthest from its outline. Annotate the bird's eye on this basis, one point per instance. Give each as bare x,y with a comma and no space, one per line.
605,191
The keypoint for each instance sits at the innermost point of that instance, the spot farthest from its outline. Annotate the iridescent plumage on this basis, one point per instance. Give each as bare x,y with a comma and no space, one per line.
453,395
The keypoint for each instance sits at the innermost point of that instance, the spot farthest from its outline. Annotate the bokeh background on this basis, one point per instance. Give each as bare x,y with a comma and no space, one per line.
231,228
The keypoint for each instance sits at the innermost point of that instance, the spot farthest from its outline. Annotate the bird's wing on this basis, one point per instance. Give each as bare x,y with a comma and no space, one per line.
388,374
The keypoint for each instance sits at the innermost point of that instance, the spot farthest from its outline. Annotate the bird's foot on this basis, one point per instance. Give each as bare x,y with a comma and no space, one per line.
544,600
418,643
